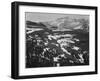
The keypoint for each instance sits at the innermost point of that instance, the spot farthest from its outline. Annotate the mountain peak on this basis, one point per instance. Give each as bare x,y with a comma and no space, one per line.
68,23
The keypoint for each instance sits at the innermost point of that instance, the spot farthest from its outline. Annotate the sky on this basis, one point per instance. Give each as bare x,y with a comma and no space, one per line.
43,17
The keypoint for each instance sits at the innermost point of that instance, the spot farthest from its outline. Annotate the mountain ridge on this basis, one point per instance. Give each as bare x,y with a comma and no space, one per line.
62,24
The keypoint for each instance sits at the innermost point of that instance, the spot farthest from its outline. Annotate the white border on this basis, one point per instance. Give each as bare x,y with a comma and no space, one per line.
52,70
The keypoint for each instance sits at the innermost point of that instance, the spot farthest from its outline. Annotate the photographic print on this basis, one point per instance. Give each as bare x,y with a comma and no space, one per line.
50,40
55,40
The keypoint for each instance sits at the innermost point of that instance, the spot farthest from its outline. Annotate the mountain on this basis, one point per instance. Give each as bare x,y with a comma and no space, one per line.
31,24
32,27
68,24
60,24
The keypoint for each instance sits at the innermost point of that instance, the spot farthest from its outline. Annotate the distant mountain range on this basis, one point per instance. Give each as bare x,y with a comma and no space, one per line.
62,24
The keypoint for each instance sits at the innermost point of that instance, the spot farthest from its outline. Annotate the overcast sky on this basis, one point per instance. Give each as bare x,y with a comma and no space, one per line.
37,17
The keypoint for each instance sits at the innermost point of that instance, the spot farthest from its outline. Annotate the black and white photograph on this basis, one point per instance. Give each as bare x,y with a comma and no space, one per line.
56,40
50,40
